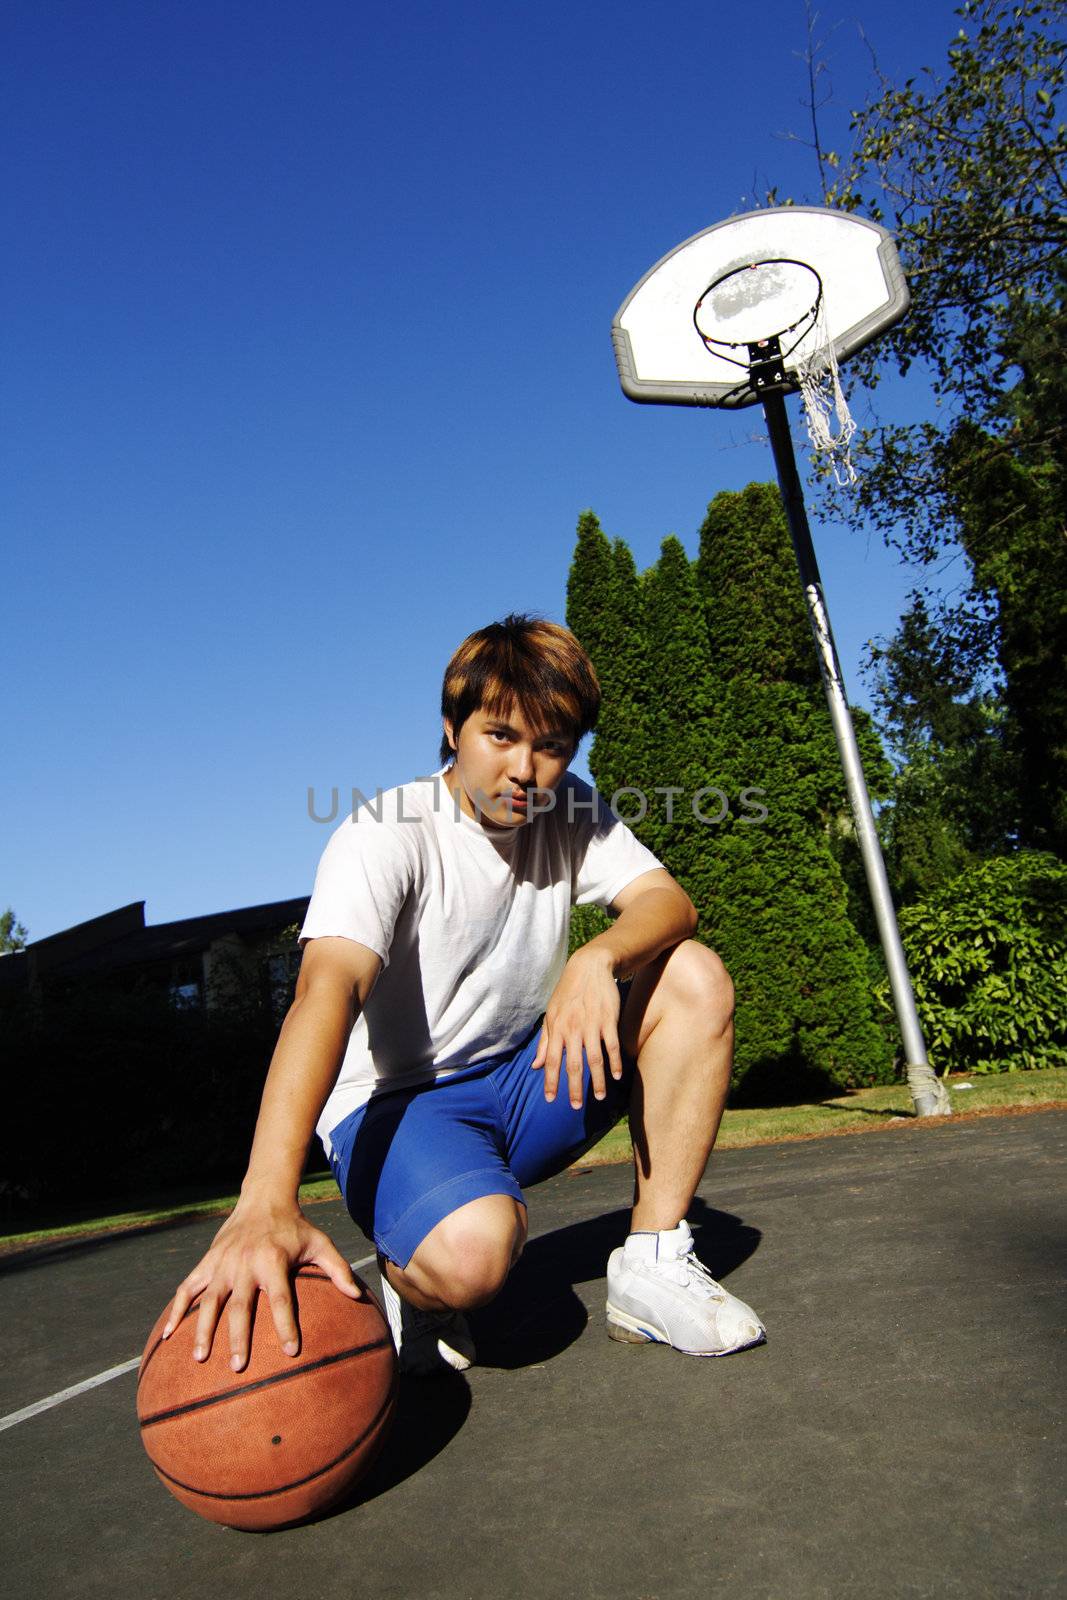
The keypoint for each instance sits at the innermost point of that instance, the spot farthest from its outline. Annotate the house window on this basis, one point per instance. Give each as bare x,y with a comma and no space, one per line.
282,970
186,985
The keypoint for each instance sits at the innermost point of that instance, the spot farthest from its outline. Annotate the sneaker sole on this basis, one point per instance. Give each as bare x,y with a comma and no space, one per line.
629,1330
454,1358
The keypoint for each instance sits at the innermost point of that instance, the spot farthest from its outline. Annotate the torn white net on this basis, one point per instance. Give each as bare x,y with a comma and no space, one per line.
830,423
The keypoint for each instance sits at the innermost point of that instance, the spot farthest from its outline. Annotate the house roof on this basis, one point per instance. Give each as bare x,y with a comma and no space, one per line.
121,938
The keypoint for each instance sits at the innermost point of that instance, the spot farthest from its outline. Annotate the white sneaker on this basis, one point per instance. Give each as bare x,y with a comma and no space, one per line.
659,1291
427,1342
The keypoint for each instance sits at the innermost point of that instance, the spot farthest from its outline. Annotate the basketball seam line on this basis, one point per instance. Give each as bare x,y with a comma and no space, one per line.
297,1483
263,1383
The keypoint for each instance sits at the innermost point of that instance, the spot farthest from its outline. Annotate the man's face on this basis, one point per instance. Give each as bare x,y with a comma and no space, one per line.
499,760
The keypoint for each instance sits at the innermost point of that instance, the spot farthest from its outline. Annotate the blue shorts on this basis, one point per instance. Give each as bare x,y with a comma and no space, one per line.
409,1157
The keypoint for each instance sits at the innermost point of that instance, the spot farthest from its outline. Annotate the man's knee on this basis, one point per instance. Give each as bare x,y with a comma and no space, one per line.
698,981
469,1254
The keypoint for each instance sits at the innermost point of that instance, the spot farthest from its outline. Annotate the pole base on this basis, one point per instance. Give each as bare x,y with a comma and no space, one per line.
927,1090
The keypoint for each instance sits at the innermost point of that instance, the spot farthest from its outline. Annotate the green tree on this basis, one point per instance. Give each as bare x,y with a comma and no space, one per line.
134,1075
779,912
955,793
968,171
747,573
728,699
678,719
1013,528
13,935
605,611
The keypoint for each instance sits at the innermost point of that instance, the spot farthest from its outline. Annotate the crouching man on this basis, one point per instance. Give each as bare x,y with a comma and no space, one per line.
450,1054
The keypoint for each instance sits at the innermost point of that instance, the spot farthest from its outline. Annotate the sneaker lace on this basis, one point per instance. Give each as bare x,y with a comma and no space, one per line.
693,1271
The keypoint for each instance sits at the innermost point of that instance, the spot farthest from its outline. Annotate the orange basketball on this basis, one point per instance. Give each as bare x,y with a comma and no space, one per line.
287,1436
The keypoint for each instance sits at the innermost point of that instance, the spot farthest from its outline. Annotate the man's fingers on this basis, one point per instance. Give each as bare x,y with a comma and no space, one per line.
547,1059
611,1045
207,1317
553,1061
332,1262
595,1060
179,1306
283,1314
575,1073
239,1322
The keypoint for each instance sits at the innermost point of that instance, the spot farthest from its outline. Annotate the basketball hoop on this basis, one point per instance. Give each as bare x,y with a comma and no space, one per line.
746,302
753,308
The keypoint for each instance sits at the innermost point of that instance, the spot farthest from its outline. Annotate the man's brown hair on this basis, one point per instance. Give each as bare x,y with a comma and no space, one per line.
525,662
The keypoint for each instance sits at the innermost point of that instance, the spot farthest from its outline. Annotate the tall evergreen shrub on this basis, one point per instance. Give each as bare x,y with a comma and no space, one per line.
780,914
729,700
604,609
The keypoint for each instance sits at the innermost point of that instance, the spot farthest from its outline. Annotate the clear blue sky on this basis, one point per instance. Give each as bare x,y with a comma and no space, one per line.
308,373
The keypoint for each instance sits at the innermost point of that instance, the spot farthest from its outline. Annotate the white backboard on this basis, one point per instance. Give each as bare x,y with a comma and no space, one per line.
660,354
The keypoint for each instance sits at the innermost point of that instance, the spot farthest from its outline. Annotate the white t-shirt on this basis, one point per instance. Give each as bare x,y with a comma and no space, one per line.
470,924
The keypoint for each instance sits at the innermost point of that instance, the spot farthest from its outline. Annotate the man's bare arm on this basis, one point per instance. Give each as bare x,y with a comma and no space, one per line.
267,1235
654,913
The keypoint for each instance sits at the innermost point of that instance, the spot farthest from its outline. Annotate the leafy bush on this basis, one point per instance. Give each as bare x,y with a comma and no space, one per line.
586,923
988,959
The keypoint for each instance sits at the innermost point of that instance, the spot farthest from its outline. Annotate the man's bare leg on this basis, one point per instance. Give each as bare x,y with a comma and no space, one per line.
678,1022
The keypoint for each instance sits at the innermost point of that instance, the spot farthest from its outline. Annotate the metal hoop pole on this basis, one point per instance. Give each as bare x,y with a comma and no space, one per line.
929,1094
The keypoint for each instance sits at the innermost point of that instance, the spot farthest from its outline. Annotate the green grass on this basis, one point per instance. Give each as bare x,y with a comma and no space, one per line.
862,1110
207,1204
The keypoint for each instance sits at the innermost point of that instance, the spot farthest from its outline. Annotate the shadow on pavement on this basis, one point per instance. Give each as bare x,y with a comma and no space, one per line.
538,1314
534,1318
429,1413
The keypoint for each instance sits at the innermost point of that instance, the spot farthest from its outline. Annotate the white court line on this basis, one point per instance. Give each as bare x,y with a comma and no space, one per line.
67,1394
101,1377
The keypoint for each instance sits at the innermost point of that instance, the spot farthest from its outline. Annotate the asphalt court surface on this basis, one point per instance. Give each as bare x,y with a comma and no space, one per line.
899,1434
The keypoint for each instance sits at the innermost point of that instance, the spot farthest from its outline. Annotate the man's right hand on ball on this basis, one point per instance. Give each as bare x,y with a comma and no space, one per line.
256,1251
